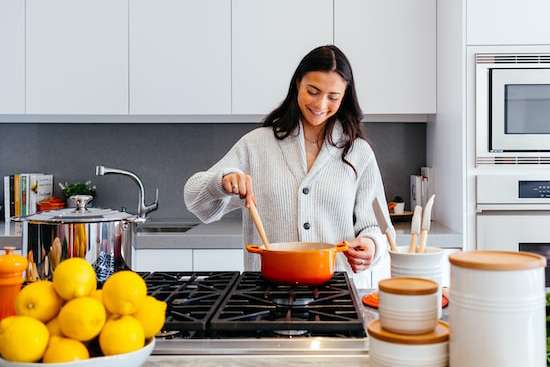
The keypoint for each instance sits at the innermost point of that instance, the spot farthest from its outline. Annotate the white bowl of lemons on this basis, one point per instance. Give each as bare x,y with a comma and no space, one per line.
68,322
132,359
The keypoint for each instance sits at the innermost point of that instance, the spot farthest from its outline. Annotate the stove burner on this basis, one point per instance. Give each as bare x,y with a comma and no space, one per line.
167,334
292,302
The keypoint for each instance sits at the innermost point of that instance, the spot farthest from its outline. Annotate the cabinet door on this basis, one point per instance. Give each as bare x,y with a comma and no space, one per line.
180,57
391,45
269,39
12,56
218,260
163,260
77,56
491,22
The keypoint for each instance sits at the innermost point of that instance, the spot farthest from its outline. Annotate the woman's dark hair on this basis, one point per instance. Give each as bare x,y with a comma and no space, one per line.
285,118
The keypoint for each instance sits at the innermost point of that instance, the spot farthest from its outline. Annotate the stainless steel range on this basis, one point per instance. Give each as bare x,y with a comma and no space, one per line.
232,313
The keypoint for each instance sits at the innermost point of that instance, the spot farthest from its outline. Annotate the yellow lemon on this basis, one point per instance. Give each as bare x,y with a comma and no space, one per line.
124,292
54,328
74,278
23,339
151,316
121,334
65,350
82,318
98,294
38,300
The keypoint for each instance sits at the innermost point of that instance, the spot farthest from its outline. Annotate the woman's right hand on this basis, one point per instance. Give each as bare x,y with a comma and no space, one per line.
239,184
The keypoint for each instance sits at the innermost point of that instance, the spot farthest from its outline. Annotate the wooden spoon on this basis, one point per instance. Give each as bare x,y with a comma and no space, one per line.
259,225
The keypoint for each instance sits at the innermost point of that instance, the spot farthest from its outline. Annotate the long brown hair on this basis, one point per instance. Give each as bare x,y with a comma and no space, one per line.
285,118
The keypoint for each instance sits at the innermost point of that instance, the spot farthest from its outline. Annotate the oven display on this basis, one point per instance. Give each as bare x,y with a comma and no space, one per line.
541,249
534,189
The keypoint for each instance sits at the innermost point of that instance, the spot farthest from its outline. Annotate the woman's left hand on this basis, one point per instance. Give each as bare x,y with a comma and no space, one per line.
360,253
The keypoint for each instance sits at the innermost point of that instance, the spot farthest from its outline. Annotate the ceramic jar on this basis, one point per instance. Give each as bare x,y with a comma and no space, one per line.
497,309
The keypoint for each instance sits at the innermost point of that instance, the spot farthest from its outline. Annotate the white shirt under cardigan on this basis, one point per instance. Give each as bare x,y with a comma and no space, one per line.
327,204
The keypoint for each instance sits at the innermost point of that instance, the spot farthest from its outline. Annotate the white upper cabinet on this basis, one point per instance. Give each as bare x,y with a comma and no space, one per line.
77,56
391,45
493,22
12,57
180,53
269,39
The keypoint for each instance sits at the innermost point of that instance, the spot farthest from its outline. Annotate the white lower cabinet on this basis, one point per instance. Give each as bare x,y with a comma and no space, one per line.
163,260
218,260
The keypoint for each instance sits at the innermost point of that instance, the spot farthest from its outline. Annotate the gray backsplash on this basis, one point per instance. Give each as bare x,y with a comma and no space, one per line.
166,155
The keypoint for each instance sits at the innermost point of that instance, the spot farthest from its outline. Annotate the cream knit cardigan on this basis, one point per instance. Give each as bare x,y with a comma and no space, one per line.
336,206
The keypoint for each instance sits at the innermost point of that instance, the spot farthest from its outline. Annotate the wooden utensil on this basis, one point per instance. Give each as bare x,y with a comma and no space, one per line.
259,225
383,224
426,220
415,228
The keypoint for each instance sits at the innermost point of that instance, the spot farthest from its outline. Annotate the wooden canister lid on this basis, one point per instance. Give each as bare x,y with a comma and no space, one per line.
439,335
408,286
497,260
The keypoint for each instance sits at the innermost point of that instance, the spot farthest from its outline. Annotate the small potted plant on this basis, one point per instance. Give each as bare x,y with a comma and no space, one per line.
77,188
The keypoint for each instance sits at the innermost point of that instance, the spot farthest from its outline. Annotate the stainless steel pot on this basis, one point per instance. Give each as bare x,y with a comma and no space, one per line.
104,237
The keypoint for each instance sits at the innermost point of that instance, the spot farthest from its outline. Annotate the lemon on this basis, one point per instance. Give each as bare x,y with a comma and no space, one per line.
124,292
65,350
82,318
98,294
54,328
121,334
38,300
151,316
74,278
23,339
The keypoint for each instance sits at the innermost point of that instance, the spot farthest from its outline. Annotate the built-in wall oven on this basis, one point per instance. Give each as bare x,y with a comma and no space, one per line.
513,214
512,108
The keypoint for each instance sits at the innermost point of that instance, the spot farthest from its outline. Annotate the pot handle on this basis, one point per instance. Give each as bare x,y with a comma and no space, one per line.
342,246
255,249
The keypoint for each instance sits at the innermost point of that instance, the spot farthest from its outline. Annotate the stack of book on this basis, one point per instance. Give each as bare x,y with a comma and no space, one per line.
23,191
421,187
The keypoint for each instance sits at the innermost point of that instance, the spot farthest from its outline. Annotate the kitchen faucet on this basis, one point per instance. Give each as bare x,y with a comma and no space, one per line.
143,209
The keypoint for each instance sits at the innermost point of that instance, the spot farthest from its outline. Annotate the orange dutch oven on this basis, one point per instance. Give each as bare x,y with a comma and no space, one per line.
307,263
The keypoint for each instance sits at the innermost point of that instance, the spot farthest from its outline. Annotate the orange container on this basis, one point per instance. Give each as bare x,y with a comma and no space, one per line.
12,267
307,263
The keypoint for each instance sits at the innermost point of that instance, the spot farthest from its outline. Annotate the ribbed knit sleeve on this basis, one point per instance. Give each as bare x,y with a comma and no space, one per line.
203,193
370,186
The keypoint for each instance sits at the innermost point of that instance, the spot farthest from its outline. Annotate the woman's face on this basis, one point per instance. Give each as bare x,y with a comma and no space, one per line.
319,96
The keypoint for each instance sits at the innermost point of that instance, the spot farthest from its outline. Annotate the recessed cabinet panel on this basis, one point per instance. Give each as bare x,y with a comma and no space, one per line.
180,57
493,22
269,39
218,260
12,57
391,45
77,56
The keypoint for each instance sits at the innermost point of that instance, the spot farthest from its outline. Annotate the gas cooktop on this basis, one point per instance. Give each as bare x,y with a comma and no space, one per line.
229,312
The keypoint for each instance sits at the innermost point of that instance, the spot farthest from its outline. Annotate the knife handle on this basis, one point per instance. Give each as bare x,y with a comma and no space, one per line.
412,244
391,241
423,240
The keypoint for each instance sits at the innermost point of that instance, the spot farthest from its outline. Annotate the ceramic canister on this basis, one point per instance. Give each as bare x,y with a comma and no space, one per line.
387,349
425,265
408,305
497,309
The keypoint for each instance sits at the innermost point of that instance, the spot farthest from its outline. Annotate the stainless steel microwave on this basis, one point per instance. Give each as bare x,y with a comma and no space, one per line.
513,108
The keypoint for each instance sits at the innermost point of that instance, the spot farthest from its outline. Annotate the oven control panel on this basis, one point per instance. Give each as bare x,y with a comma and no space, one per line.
534,189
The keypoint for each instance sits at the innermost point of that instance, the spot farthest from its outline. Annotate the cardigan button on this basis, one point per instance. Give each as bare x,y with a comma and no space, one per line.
307,225
305,190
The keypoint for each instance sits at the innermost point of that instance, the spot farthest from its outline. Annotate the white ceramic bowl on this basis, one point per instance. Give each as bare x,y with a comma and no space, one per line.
408,314
132,359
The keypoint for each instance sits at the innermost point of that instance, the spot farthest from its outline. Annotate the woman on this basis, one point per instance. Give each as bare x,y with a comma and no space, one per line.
310,171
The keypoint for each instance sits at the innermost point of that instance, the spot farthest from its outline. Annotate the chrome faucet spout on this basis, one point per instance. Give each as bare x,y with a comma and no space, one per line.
143,209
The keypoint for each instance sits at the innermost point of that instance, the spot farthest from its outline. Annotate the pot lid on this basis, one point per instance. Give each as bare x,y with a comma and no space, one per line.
80,214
